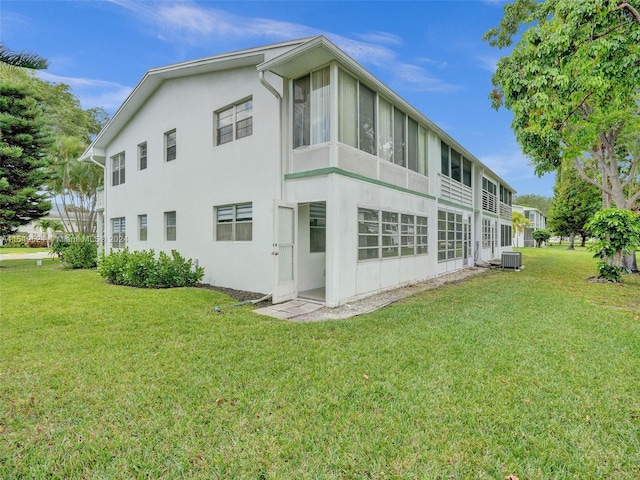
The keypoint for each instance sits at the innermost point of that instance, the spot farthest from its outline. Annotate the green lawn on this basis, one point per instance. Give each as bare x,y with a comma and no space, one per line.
533,373
20,250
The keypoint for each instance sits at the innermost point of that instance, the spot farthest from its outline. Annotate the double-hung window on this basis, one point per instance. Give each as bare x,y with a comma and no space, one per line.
142,228
234,223
117,169
142,156
170,225
234,122
170,145
118,232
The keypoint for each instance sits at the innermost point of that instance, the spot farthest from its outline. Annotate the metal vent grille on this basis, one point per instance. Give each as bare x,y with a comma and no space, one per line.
512,260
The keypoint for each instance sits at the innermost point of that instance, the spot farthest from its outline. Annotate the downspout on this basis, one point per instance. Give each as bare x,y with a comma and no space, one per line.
275,93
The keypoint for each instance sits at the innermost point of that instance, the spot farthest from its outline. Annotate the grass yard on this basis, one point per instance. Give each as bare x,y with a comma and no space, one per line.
533,373
21,250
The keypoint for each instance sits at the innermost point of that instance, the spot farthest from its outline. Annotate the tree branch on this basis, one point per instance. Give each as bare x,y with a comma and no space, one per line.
588,179
633,11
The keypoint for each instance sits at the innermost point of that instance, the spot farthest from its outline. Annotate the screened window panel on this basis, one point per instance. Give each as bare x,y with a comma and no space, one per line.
224,232
456,165
320,106
385,130
466,171
367,120
412,145
399,137
423,145
302,111
348,105
225,126
244,119
244,231
444,158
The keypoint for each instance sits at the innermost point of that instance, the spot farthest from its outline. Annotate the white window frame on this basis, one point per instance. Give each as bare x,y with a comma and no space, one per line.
142,156
118,232
118,169
389,234
238,112
170,145
170,226
450,236
238,214
143,227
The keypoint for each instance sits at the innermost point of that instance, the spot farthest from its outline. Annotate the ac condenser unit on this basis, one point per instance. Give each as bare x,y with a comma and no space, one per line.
512,260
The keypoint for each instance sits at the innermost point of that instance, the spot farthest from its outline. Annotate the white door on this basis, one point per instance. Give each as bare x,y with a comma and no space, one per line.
284,284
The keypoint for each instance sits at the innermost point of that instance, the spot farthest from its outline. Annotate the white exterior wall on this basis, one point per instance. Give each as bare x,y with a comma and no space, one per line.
253,169
202,176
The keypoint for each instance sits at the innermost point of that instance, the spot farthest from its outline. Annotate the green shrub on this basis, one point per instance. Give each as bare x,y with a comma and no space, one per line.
541,236
608,272
81,252
15,241
141,269
58,247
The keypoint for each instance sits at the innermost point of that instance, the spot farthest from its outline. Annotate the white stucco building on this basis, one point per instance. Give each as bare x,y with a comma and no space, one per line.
290,169
537,221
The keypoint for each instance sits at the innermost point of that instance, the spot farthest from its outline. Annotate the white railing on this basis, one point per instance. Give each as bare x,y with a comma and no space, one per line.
455,191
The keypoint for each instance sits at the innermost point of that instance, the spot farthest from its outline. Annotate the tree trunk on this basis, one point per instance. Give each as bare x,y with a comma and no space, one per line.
572,238
630,263
583,240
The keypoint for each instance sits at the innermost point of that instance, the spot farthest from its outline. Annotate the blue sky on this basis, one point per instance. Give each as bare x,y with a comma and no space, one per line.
429,52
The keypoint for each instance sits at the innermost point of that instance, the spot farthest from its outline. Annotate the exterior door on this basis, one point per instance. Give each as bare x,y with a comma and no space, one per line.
284,268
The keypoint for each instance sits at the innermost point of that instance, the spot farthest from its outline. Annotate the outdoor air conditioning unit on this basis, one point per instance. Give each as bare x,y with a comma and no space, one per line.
512,260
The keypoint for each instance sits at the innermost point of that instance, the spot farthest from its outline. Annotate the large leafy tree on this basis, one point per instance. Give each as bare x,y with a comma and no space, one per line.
575,202
572,82
573,85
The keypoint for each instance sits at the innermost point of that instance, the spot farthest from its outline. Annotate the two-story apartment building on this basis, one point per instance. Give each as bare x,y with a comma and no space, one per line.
537,221
290,169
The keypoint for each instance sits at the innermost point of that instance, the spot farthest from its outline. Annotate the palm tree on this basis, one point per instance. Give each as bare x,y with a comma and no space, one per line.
22,59
520,224
50,227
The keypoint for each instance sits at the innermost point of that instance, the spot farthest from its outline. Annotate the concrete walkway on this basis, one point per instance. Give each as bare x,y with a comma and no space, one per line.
309,311
25,256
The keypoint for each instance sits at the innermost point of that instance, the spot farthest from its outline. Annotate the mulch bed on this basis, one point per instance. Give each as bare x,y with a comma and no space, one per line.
239,295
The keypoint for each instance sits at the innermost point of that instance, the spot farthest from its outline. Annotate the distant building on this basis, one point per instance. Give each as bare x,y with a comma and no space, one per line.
538,221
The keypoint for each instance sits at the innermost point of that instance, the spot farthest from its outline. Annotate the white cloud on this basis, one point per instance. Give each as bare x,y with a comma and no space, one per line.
190,23
381,37
92,93
489,63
